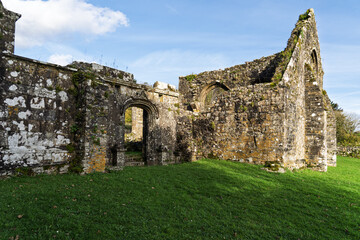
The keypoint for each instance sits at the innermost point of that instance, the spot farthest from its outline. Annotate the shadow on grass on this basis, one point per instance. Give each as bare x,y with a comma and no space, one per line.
208,199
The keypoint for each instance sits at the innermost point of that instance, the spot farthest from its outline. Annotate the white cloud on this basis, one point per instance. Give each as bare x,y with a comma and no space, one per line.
167,66
52,20
61,59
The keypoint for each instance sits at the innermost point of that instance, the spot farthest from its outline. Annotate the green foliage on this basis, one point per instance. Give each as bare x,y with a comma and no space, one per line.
243,108
133,153
58,88
213,125
78,112
75,167
24,171
78,78
95,129
304,16
273,84
209,199
285,56
272,165
347,126
128,118
94,84
190,78
74,128
95,140
70,148
335,106
106,95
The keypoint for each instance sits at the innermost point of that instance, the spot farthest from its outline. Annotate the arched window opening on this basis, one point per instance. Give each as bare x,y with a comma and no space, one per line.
212,93
314,61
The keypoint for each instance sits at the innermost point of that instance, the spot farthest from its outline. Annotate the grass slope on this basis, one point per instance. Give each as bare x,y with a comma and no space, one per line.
208,199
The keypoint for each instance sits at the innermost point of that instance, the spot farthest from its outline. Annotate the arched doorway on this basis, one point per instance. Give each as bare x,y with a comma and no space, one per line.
136,126
137,121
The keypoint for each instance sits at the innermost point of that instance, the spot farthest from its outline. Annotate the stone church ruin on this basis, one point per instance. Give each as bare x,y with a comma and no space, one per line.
272,111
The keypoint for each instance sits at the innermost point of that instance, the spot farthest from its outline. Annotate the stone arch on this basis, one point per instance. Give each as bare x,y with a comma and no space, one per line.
150,114
210,91
149,107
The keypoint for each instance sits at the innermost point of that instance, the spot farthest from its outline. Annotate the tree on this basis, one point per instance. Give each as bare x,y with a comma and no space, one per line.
335,106
346,126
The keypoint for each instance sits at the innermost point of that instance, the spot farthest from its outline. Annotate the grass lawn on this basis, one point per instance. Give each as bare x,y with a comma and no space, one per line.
133,154
208,199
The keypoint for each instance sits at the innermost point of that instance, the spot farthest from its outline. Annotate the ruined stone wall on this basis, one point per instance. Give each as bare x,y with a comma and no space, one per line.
330,133
244,123
109,92
137,123
349,151
55,118
34,114
309,125
7,29
270,110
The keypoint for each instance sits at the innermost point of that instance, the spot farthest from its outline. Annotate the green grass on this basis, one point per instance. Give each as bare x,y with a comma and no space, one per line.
208,199
133,154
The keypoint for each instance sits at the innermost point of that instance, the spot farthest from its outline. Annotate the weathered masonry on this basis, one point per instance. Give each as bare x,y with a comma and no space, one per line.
86,117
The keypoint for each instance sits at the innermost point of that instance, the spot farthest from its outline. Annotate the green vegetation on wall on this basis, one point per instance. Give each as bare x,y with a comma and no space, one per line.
285,56
190,78
77,130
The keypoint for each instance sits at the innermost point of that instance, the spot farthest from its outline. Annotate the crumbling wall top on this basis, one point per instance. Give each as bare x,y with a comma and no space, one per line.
7,29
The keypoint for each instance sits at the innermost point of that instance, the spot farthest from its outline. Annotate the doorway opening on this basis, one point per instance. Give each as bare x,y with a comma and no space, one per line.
136,131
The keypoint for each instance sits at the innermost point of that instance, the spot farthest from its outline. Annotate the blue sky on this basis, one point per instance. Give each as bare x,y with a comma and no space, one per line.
161,40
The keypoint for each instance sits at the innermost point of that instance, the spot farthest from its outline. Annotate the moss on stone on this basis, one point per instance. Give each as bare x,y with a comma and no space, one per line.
190,78
58,89
272,165
77,130
304,16
24,171
70,148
